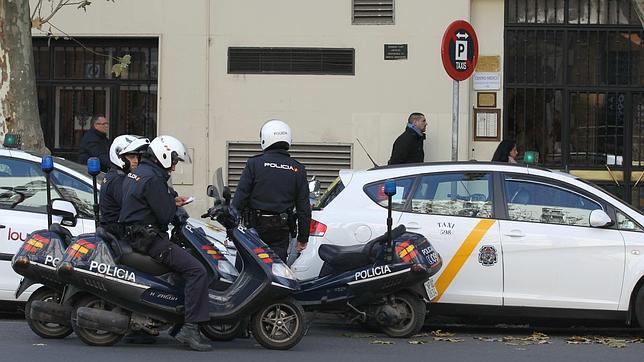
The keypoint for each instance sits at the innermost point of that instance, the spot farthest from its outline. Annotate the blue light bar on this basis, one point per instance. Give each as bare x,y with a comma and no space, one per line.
93,166
390,187
47,163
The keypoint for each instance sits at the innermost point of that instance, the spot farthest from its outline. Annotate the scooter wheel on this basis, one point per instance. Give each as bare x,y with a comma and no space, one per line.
223,331
46,329
94,337
279,325
413,312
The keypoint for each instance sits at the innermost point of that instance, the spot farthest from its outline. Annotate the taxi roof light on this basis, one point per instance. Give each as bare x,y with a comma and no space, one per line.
12,140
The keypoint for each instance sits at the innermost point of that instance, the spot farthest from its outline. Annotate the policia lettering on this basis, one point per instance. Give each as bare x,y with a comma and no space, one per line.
373,272
112,271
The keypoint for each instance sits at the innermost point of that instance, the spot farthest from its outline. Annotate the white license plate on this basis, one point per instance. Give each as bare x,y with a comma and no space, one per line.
431,289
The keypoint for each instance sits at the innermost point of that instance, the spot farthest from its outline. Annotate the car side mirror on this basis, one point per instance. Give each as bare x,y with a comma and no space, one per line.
600,219
64,211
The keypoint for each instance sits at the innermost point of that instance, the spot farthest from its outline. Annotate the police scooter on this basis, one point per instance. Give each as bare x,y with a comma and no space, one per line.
116,290
384,283
36,261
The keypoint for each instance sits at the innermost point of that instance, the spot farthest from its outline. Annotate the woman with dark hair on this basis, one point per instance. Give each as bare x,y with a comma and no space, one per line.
506,152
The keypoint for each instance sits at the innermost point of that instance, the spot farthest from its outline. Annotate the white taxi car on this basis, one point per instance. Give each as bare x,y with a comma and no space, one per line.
514,239
23,205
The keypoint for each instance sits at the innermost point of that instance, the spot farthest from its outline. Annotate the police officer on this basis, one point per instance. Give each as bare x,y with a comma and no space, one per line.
148,207
270,186
125,152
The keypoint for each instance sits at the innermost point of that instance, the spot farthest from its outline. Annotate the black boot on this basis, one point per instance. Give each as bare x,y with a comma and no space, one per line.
189,334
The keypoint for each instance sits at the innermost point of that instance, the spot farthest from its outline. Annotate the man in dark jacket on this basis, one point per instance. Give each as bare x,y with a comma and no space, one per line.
148,206
271,185
408,147
95,143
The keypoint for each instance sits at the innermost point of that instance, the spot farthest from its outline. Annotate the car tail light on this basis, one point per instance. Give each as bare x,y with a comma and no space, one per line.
317,228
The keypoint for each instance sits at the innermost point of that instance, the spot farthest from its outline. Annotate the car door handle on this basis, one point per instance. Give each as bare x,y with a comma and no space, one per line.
515,234
412,226
2,226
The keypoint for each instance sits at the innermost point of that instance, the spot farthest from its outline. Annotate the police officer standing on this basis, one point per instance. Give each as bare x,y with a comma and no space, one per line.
148,206
125,152
270,186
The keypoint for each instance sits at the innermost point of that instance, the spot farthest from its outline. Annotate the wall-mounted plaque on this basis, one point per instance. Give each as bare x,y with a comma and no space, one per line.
395,51
487,124
486,99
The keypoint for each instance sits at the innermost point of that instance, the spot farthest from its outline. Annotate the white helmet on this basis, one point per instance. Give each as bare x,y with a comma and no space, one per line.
168,150
274,131
125,144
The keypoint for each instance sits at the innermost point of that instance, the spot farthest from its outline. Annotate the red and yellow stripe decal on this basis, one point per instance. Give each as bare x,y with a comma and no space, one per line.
462,254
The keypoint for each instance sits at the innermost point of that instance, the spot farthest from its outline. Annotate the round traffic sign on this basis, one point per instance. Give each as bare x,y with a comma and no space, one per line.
459,50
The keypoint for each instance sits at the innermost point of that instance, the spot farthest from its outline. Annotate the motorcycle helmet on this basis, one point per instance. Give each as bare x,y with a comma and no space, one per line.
136,147
275,131
168,151
119,144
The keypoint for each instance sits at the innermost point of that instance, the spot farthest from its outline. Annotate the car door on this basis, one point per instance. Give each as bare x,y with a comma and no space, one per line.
454,211
552,256
23,200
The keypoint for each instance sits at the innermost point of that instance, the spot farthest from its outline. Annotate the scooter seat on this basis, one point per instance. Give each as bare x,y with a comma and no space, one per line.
344,258
64,234
126,256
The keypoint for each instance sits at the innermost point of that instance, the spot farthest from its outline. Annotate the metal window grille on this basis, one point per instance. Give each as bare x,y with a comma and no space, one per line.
324,160
254,60
373,11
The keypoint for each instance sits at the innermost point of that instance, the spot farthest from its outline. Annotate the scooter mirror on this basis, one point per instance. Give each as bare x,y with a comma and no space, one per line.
64,210
210,191
226,195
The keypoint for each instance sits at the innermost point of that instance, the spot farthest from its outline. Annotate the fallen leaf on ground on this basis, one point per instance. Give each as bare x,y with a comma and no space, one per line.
377,341
535,338
440,333
417,341
447,339
489,339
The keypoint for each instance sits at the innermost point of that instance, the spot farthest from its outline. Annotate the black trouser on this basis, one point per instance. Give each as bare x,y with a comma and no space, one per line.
193,274
275,233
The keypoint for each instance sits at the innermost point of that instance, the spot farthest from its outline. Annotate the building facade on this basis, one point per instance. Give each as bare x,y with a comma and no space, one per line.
562,77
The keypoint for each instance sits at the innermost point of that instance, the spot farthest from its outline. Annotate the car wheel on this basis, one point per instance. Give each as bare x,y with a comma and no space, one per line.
639,307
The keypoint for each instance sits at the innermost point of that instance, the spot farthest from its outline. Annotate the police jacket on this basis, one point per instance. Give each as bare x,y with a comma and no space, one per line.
273,182
95,144
147,199
408,148
111,196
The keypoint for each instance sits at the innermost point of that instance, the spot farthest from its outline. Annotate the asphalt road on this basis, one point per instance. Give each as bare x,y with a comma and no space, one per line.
332,341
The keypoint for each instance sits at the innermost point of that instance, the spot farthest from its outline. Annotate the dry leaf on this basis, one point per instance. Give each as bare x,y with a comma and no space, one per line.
416,341
535,338
36,23
440,333
489,339
447,339
420,335
377,341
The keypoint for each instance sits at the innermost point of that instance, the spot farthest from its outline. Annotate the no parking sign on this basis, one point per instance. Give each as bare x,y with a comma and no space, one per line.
459,50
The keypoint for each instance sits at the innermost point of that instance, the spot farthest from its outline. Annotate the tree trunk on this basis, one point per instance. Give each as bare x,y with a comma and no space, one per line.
18,96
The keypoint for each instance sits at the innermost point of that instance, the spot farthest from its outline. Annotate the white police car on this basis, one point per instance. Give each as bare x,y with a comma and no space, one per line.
23,205
514,239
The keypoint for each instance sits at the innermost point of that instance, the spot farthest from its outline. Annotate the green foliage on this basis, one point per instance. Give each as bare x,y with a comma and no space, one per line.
121,66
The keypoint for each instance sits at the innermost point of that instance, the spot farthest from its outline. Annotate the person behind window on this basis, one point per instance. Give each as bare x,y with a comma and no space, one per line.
506,151
95,143
408,147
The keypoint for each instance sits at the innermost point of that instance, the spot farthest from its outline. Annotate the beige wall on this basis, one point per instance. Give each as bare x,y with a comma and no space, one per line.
205,107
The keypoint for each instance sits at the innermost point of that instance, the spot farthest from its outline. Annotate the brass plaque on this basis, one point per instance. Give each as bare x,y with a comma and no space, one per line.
488,63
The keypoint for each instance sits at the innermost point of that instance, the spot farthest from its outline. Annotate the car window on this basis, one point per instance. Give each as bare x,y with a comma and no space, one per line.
376,192
75,191
454,194
545,203
334,190
22,186
625,223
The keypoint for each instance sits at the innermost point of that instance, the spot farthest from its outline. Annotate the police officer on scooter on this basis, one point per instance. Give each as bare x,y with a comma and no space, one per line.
125,153
148,206
270,186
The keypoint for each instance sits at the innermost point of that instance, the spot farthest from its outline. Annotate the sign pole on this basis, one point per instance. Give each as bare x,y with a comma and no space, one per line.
455,120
